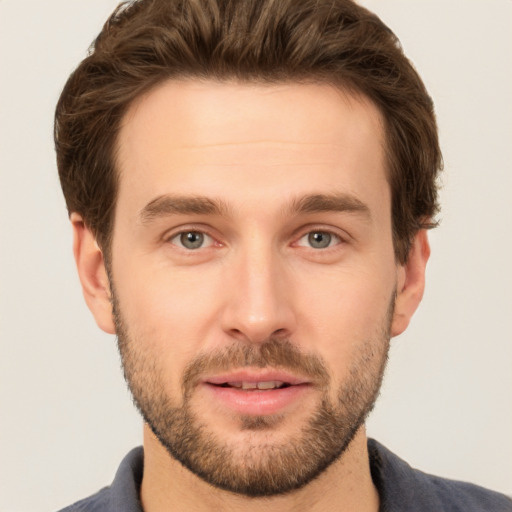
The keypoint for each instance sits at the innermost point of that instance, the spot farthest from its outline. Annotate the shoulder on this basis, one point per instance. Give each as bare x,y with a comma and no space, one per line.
403,488
123,494
463,496
99,502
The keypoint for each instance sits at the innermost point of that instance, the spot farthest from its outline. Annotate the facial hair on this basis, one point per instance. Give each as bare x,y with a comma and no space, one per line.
262,467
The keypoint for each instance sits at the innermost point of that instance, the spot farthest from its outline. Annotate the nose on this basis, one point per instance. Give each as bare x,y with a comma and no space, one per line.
259,301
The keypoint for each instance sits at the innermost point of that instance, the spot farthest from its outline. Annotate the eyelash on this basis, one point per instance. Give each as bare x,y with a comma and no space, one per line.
332,236
180,234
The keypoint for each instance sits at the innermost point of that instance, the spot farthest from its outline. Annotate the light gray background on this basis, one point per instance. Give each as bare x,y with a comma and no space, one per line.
66,418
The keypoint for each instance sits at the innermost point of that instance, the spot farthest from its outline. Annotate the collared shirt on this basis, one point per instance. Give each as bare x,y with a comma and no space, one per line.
401,489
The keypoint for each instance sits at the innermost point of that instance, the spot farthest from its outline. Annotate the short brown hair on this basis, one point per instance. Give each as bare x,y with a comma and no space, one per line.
146,42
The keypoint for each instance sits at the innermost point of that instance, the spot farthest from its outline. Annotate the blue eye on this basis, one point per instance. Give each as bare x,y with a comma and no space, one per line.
191,240
319,239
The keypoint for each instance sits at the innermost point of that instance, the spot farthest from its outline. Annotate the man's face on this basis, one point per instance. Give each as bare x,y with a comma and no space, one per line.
253,275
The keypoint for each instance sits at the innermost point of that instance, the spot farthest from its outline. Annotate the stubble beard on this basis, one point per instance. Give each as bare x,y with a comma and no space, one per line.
261,467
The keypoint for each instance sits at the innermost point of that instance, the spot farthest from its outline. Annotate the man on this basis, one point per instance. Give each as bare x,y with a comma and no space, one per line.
250,183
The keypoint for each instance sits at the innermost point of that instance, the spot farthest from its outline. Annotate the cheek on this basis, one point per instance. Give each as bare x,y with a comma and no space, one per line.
355,297
348,310
168,314
155,293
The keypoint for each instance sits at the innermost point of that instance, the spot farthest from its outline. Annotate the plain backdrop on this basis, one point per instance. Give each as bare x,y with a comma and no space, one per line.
66,418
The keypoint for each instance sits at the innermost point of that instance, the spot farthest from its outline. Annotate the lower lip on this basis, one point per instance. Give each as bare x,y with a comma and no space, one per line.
258,402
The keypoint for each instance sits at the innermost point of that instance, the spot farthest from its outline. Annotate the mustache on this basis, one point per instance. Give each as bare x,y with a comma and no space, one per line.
274,353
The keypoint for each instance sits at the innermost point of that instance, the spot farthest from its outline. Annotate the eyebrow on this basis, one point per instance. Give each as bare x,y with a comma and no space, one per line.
168,204
337,202
165,205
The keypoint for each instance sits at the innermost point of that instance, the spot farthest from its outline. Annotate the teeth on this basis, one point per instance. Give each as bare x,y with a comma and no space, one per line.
271,384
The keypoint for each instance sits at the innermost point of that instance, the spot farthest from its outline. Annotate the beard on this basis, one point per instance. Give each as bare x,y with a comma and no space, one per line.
261,466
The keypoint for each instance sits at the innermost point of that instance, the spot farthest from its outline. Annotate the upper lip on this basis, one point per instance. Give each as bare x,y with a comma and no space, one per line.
264,375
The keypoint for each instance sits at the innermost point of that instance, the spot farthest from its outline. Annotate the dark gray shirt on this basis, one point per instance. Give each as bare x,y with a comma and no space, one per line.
401,489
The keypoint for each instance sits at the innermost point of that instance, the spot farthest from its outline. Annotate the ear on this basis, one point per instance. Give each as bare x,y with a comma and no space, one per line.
93,275
410,283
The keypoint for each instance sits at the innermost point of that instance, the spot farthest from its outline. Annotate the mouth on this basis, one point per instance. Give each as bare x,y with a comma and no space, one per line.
257,392
257,380
252,386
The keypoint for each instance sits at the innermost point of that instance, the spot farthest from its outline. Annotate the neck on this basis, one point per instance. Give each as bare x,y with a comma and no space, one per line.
346,485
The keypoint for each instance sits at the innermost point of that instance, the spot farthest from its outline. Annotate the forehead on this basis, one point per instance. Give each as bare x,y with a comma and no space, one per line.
261,140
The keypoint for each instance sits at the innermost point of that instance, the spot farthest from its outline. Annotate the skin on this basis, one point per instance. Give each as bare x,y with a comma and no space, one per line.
257,150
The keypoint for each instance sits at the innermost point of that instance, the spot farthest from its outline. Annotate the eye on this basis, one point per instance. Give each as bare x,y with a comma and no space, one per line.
319,240
192,240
